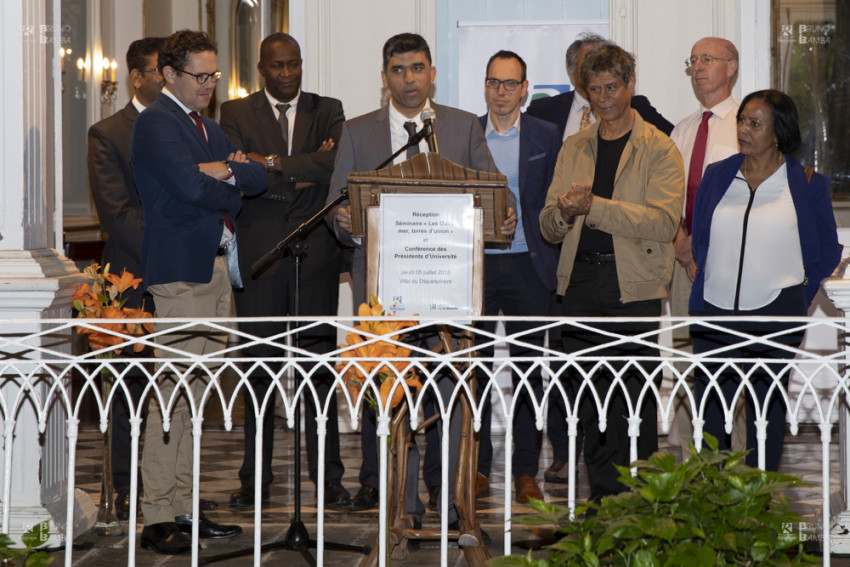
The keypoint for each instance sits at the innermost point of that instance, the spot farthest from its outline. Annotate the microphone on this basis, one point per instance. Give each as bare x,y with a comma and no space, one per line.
428,116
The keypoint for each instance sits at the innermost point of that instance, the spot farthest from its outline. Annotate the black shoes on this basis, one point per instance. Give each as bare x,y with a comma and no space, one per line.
557,472
366,499
165,538
243,499
122,505
207,529
336,496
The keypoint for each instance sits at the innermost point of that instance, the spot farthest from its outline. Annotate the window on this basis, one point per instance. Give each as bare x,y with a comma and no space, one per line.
810,63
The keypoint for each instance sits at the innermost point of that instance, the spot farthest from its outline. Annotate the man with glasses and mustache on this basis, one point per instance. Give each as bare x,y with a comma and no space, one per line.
191,179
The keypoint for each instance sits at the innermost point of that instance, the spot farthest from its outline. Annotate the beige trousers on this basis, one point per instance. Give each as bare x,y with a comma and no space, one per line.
167,458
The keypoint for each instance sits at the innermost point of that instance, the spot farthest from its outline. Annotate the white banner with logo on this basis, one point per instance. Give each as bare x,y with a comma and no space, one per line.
542,45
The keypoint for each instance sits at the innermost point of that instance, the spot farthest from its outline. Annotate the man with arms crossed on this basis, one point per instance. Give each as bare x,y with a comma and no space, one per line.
191,179
298,172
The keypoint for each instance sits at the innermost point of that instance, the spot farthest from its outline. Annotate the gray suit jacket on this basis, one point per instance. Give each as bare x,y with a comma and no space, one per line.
366,142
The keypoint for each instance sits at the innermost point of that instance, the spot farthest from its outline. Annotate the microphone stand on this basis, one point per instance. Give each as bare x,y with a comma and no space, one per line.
297,538
412,141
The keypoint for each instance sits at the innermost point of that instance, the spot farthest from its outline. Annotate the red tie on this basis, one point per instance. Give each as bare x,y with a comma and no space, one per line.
695,169
197,118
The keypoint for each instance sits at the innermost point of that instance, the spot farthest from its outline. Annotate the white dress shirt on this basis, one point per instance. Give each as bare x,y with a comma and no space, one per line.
574,117
399,135
722,134
290,114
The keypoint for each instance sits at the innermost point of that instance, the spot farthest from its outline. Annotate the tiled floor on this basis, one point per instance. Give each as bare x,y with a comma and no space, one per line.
222,453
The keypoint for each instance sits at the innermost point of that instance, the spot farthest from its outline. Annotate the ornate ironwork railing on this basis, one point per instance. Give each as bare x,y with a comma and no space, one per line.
38,364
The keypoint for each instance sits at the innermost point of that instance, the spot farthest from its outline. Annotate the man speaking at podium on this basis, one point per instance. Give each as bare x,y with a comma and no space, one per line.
366,141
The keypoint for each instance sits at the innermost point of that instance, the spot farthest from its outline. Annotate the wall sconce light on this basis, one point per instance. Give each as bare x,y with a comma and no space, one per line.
82,73
108,84
63,53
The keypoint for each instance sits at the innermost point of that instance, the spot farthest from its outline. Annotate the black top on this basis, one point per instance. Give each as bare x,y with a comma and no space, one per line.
607,161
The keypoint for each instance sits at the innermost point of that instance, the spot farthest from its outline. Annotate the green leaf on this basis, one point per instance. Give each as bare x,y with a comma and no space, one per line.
645,558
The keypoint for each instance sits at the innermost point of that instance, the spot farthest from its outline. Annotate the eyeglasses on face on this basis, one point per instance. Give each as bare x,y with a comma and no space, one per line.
509,84
705,59
203,77
149,70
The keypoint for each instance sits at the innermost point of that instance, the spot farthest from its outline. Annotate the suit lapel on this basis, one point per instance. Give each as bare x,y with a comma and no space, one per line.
303,120
382,137
185,122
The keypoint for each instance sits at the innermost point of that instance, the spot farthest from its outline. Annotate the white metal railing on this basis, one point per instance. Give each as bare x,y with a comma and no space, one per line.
36,367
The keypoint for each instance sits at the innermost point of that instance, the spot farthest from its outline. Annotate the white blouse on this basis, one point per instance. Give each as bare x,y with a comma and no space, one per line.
772,256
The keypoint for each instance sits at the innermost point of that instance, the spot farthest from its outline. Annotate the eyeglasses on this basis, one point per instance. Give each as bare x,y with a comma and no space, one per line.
203,77
509,84
705,59
150,70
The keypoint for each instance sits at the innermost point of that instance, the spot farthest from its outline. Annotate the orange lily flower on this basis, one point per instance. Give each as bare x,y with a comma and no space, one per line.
123,282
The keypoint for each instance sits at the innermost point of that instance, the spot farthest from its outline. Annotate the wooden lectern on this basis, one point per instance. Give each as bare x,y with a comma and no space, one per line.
431,174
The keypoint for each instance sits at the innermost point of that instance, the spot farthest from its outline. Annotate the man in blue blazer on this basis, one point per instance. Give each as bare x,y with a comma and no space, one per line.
191,179
571,112
519,280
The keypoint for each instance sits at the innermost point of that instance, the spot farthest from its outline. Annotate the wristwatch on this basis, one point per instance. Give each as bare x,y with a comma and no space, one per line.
229,169
270,162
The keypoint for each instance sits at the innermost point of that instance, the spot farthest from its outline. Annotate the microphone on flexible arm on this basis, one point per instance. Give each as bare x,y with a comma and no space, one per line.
428,117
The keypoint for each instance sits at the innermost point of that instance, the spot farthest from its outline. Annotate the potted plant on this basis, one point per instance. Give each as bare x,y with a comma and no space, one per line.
708,510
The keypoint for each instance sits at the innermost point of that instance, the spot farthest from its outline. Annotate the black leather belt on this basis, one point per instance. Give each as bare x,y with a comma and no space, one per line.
273,196
596,258
222,251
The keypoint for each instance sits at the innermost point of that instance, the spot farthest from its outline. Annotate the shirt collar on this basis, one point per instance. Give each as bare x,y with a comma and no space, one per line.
513,130
723,108
397,119
579,100
138,104
274,102
170,94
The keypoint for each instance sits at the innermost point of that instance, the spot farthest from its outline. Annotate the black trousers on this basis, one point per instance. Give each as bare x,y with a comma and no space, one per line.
135,379
594,291
790,302
268,297
512,287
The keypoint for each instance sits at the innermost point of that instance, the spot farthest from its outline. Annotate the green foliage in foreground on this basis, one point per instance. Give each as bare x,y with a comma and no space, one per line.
27,556
709,510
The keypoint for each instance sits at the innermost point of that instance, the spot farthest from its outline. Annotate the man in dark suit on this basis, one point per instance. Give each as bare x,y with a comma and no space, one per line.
571,112
519,280
120,214
365,142
191,179
566,109
298,172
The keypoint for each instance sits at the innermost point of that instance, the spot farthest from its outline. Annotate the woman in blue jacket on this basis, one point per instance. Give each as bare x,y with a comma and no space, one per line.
764,238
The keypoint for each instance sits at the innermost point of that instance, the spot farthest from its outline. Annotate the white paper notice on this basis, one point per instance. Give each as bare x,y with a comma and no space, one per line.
426,254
